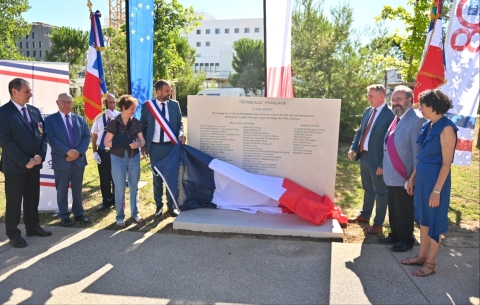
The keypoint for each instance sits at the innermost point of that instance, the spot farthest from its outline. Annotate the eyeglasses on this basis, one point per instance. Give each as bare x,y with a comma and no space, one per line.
398,100
65,103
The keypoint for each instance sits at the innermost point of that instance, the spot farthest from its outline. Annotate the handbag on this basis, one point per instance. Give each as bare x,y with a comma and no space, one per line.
122,140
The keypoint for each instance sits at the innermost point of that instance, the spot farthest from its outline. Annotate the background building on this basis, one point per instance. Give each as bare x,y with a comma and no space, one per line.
37,43
214,39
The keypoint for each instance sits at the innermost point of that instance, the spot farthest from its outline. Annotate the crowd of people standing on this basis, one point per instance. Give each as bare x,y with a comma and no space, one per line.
405,161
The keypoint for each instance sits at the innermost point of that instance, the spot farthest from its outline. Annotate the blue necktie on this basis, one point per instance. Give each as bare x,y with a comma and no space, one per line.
162,133
70,132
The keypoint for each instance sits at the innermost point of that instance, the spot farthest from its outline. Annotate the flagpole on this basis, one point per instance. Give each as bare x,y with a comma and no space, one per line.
265,42
127,23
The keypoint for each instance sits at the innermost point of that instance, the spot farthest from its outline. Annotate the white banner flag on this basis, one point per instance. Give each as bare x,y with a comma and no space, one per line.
278,27
462,64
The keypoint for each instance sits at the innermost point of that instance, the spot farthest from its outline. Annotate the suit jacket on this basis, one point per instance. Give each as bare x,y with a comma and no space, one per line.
59,140
405,140
377,134
148,122
19,144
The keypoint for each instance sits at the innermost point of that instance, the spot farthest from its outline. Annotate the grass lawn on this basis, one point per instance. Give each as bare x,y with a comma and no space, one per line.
464,205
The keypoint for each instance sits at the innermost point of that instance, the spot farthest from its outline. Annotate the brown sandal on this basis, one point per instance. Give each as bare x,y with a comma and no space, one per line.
419,272
420,261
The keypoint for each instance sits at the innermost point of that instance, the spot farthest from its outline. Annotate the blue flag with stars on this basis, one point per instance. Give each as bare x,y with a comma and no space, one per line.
141,13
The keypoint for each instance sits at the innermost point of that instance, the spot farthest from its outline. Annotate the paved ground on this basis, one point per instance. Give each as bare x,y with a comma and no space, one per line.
76,266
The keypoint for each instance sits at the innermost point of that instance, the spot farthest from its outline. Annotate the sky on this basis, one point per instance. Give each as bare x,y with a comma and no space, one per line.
76,14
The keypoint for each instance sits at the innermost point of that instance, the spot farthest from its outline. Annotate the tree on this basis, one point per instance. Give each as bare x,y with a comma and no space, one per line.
171,20
328,60
188,83
248,62
411,43
69,45
12,27
115,61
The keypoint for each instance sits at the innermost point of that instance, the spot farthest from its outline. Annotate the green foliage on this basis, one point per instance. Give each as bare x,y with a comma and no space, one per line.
171,20
411,43
329,62
188,83
69,45
78,105
115,61
12,27
249,64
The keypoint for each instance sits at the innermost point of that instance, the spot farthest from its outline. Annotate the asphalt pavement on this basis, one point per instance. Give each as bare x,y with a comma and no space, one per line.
87,266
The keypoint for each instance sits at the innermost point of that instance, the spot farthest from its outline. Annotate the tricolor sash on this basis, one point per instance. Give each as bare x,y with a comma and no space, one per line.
397,163
164,124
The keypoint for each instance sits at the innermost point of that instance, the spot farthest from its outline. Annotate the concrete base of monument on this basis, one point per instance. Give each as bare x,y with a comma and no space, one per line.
225,221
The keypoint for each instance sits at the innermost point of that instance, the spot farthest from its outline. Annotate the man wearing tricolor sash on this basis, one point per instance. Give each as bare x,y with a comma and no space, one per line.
162,125
399,159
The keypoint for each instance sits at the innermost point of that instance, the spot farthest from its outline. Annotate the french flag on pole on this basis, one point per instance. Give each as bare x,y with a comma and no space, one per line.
431,74
94,87
196,180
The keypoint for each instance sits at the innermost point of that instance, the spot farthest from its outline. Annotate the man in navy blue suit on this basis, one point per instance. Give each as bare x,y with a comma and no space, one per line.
68,136
24,146
157,144
368,147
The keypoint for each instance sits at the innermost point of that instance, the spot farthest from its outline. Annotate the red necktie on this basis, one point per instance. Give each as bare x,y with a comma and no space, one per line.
367,130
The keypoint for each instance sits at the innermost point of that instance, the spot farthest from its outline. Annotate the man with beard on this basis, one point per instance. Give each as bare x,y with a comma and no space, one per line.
158,145
399,159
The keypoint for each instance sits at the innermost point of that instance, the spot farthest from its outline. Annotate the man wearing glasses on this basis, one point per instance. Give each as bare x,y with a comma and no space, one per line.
367,147
68,136
399,160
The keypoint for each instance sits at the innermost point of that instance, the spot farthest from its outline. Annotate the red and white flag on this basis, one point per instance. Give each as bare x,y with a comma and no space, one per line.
278,41
431,74
462,50
95,86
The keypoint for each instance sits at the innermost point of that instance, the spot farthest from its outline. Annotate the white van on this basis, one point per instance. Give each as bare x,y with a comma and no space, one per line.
223,92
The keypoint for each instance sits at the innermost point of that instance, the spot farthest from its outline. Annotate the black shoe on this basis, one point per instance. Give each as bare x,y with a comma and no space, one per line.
18,242
158,212
387,240
38,232
173,212
66,222
81,219
400,247
102,208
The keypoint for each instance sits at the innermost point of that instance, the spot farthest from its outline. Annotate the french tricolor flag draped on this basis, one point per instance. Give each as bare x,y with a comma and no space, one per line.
462,54
432,67
196,180
95,86
278,46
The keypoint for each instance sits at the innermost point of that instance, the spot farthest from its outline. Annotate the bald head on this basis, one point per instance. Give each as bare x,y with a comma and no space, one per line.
65,103
110,101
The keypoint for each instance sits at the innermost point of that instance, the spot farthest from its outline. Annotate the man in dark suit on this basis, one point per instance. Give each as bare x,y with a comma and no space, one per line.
68,136
158,145
399,160
368,147
24,146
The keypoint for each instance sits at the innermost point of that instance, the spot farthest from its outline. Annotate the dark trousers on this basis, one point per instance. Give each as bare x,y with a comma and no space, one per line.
107,186
18,187
159,152
375,190
63,178
400,214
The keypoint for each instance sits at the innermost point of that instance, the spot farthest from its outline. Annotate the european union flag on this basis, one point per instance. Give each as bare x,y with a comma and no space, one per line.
141,13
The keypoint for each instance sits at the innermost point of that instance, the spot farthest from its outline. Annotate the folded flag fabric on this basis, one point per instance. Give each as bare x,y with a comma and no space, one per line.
196,180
